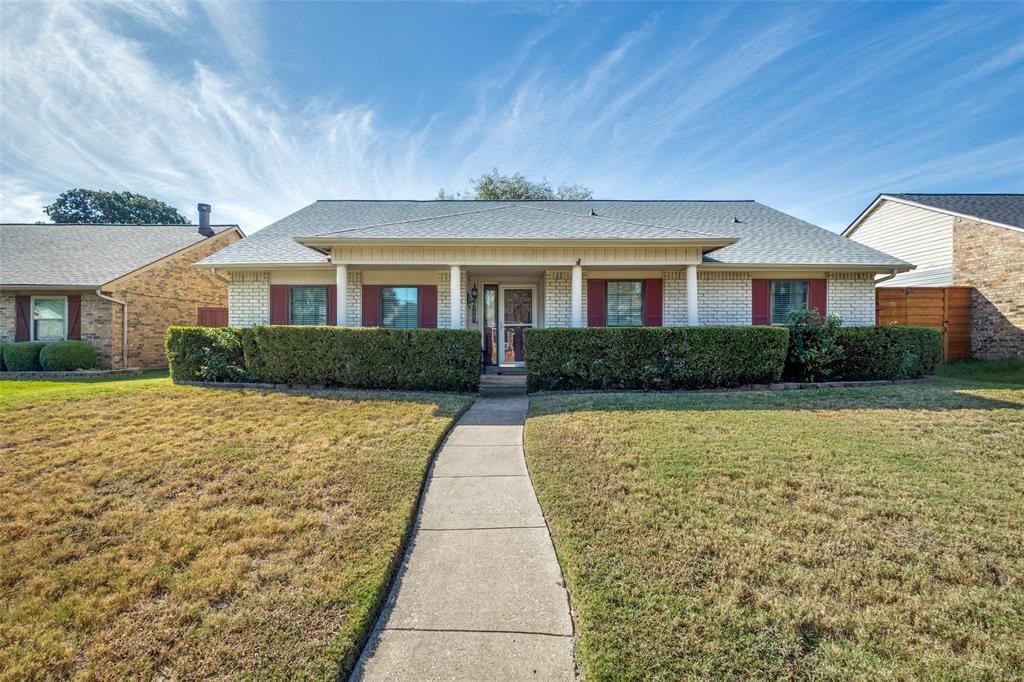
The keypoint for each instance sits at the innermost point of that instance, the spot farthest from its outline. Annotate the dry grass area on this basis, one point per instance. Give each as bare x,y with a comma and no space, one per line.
842,534
169,532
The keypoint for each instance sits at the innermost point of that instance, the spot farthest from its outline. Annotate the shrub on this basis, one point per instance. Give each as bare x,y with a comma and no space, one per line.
205,354
23,356
887,352
814,351
653,357
409,359
64,356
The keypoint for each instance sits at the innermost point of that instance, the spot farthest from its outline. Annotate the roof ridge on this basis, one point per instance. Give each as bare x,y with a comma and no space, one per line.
553,201
115,224
374,226
624,222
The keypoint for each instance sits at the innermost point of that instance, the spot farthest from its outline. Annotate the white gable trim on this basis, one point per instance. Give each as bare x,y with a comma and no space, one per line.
888,197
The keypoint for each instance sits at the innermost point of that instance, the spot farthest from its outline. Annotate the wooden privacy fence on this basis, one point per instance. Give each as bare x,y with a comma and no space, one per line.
945,308
213,317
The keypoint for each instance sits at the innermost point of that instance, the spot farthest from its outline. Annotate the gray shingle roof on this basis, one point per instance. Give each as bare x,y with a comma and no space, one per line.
1007,209
765,236
86,255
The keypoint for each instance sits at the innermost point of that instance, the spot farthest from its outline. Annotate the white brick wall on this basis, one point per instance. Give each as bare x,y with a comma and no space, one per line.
354,312
557,298
851,295
673,312
444,299
248,299
724,298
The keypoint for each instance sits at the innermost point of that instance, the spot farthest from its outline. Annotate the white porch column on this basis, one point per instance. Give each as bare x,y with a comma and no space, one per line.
692,318
341,300
457,304
576,297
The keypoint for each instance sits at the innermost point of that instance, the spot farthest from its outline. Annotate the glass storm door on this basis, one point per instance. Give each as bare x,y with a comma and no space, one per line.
517,313
490,324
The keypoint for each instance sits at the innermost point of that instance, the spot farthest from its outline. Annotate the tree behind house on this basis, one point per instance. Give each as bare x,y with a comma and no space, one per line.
515,187
112,208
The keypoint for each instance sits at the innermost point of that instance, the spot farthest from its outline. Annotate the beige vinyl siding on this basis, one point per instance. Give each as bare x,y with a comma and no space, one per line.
917,235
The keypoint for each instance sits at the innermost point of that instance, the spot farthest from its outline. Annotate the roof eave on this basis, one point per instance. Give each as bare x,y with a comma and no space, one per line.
50,287
865,267
889,197
318,242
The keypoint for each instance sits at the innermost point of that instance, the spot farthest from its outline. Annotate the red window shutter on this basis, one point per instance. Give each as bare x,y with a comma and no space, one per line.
22,317
75,317
371,305
332,304
652,302
761,308
817,296
597,315
278,304
428,306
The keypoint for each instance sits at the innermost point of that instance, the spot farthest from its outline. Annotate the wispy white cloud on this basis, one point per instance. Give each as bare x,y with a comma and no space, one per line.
713,107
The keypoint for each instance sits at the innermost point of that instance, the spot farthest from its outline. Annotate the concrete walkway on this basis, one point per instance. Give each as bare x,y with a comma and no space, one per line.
480,594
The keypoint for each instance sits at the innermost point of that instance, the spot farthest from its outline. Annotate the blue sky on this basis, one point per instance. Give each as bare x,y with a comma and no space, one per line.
260,109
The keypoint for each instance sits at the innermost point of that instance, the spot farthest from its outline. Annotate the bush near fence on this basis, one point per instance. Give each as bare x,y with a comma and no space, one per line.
653,357
887,352
398,359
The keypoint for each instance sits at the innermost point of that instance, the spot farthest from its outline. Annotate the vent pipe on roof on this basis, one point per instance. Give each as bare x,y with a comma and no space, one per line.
204,221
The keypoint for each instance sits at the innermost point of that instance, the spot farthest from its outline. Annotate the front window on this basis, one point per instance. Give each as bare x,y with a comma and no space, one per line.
625,304
307,305
787,296
400,307
49,319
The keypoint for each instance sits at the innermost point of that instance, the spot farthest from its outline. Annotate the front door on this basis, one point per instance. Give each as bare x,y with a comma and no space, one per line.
516,309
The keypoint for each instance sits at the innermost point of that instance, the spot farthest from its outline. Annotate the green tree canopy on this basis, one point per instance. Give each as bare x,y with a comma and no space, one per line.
516,187
115,208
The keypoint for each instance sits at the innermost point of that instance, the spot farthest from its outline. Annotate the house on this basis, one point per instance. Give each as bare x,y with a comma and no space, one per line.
116,286
503,266
971,240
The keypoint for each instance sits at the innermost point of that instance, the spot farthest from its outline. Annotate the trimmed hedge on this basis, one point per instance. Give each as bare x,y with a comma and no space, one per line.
205,353
370,357
887,352
65,356
3,367
653,357
23,356
398,359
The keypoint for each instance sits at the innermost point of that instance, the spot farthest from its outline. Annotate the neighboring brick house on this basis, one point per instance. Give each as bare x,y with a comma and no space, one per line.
971,240
75,281
502,266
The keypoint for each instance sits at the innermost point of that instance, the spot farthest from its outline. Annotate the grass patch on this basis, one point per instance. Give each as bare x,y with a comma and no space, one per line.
999,371
870,533
161,531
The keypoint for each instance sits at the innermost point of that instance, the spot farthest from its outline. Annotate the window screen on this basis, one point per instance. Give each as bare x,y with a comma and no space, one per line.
625,304
48,319
400,307
787,296
307,305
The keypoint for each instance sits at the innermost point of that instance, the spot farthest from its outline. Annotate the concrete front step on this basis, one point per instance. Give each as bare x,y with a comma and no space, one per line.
502,384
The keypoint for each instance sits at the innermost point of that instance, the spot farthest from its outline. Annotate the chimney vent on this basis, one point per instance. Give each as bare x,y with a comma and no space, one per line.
204,221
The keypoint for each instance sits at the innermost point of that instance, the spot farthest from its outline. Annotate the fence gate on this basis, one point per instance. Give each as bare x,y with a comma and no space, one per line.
213,317
944,308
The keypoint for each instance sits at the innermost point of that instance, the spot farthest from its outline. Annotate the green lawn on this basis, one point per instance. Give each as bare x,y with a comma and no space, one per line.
870,533
157,531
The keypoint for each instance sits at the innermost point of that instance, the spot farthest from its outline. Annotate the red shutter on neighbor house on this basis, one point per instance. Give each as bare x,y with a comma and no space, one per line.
332,304
597,315
371,305
75,317
652,302
278,304
428,307
817,296
761,308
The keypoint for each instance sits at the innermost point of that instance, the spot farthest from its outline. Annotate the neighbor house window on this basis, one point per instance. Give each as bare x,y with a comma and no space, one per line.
787,295
625,302
400,307
307,305
49,318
